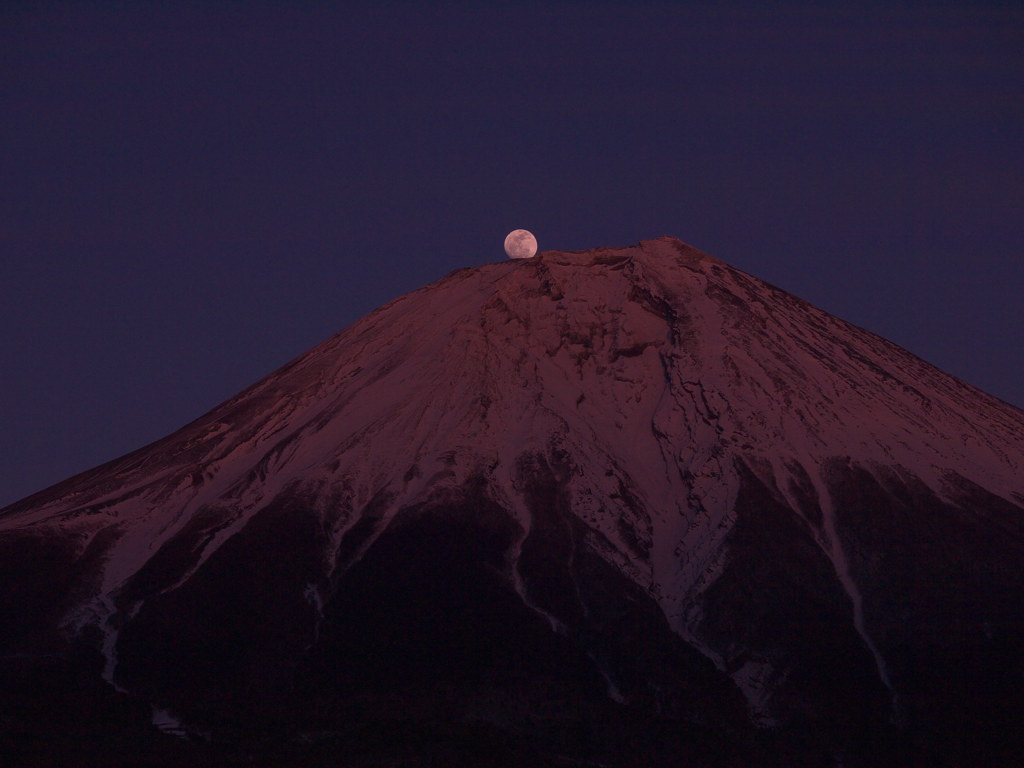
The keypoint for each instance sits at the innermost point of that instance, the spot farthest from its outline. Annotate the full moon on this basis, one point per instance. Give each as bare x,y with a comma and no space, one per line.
520,244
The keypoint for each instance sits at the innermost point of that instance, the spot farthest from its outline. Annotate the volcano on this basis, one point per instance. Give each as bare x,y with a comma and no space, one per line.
618,507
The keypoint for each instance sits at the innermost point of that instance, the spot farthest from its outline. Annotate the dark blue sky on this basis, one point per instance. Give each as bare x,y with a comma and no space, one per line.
192,194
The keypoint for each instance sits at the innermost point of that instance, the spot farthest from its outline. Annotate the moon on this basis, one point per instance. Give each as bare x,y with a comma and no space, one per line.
520,244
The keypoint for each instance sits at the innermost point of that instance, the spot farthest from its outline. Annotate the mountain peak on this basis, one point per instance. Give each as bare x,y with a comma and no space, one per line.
667,247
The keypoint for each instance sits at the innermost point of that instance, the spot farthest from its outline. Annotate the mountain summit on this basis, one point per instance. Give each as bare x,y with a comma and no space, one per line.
614,507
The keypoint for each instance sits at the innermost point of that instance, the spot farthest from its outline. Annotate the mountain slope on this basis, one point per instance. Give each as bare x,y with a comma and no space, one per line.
634,489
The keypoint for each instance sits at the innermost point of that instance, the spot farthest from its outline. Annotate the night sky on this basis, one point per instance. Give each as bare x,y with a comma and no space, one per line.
193,194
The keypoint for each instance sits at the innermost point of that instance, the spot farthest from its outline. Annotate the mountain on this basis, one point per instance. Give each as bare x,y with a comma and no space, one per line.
615,507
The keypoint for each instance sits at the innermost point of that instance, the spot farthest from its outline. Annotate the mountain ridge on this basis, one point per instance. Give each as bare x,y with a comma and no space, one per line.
596,259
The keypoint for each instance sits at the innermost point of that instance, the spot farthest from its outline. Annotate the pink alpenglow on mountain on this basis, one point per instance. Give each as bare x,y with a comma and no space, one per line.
616,507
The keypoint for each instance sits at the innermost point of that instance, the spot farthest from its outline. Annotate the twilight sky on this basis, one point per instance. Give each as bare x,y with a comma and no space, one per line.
191,196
